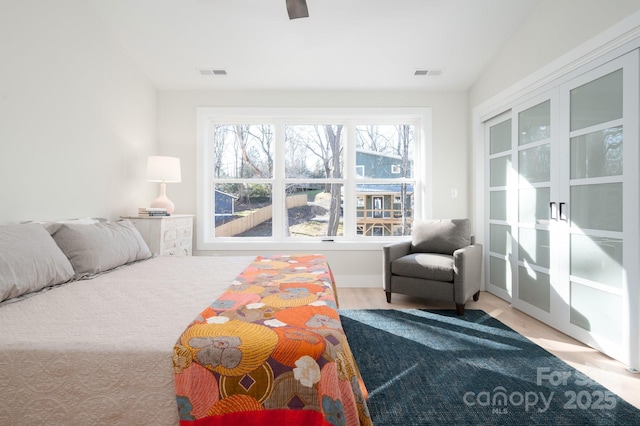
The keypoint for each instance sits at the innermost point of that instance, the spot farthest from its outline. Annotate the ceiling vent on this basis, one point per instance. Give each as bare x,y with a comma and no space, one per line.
423,72
212,71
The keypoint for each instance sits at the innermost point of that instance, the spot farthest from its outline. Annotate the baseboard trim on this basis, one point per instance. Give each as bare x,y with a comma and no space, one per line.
358,281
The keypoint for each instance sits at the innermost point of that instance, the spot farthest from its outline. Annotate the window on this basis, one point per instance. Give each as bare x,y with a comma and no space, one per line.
310,175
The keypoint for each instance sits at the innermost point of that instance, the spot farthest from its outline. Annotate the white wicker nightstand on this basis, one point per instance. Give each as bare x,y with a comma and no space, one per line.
166,235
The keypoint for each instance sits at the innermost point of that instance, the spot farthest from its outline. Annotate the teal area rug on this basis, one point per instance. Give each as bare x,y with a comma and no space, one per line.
435,368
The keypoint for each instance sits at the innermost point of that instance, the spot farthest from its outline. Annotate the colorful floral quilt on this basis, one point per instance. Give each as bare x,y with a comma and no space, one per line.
270,351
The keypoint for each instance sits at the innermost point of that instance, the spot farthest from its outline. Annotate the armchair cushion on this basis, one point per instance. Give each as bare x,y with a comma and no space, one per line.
426,266
440,236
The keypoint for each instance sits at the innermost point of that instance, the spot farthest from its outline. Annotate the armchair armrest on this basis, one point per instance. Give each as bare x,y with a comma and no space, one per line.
390,253
467,272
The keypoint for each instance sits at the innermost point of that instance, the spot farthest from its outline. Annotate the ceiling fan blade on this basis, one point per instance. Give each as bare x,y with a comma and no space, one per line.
297,9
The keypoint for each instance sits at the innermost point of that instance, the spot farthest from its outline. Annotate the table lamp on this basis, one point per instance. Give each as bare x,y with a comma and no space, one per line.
163,170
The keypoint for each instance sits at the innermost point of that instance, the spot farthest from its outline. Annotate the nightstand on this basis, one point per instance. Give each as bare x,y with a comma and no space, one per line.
166,235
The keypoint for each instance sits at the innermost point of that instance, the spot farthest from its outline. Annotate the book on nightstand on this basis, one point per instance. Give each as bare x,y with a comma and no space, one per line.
153,211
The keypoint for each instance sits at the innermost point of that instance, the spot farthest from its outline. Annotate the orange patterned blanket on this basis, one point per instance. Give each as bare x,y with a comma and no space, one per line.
270,350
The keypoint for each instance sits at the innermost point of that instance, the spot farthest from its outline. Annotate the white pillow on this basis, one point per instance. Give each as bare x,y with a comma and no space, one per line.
99,247
29,261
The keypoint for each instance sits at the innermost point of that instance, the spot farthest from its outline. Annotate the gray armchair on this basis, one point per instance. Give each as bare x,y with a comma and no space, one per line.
441,262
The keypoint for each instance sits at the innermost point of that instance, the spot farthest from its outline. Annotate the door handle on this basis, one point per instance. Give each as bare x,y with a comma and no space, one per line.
553,213
562,215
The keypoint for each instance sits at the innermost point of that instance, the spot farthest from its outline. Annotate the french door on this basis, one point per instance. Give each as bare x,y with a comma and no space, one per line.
563,207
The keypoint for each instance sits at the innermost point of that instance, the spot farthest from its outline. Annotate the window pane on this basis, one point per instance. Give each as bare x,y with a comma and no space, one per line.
384,209
499,171
534,287
597,154
498,272
534,164
498,205
533,205
313,151
597,102
534,246
314,210
243,151
500,239
500,137
597,259
597,311
384,151
534,123
242,210
597,206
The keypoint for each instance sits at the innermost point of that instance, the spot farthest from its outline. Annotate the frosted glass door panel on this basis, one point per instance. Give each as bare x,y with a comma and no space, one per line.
534,164
533,205
597,311
500,137
500,167
597,102
534,124
597,154
499,270
500,240
608,252
597,206
534,246
498,205
534,288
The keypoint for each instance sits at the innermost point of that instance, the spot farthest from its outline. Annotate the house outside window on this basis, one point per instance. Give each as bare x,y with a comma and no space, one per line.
309,175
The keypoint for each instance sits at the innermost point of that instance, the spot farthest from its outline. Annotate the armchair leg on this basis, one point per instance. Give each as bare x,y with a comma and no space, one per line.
460,309
476,296
388,296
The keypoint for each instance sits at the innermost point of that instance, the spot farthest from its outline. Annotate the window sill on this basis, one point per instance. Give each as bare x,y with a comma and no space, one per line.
290,246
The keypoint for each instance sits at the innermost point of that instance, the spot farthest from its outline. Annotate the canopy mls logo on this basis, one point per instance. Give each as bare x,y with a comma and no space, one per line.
499,400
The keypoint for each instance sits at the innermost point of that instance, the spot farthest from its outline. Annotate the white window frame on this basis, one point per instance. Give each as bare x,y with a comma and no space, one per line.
420,117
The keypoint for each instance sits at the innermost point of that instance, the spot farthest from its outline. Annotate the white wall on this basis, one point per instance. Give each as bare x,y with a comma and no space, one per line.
77,116
554,28
451,162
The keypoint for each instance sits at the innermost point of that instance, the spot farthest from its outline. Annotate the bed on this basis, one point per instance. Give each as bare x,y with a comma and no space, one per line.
98,347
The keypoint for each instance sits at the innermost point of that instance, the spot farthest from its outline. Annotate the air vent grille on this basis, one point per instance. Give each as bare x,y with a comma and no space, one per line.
212,71
429,72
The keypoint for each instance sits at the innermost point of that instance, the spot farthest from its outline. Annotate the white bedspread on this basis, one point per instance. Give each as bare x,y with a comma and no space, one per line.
98,351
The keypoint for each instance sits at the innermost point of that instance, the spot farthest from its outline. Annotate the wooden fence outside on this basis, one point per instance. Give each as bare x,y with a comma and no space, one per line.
243,224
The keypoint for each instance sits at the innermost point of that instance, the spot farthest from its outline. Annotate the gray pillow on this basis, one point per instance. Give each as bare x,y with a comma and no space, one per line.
29,261
440,236
99,247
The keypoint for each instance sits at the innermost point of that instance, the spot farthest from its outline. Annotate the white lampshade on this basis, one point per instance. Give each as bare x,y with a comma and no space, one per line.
163,169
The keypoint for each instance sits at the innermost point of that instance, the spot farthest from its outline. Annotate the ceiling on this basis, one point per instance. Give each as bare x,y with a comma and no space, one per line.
343,45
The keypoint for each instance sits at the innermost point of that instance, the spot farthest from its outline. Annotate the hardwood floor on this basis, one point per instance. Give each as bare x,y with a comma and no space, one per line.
606,371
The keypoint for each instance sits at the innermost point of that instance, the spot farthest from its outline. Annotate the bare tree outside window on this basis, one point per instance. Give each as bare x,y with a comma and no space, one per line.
243,155
314,153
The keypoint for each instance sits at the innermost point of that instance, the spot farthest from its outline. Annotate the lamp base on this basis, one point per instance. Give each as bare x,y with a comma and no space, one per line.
162,201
